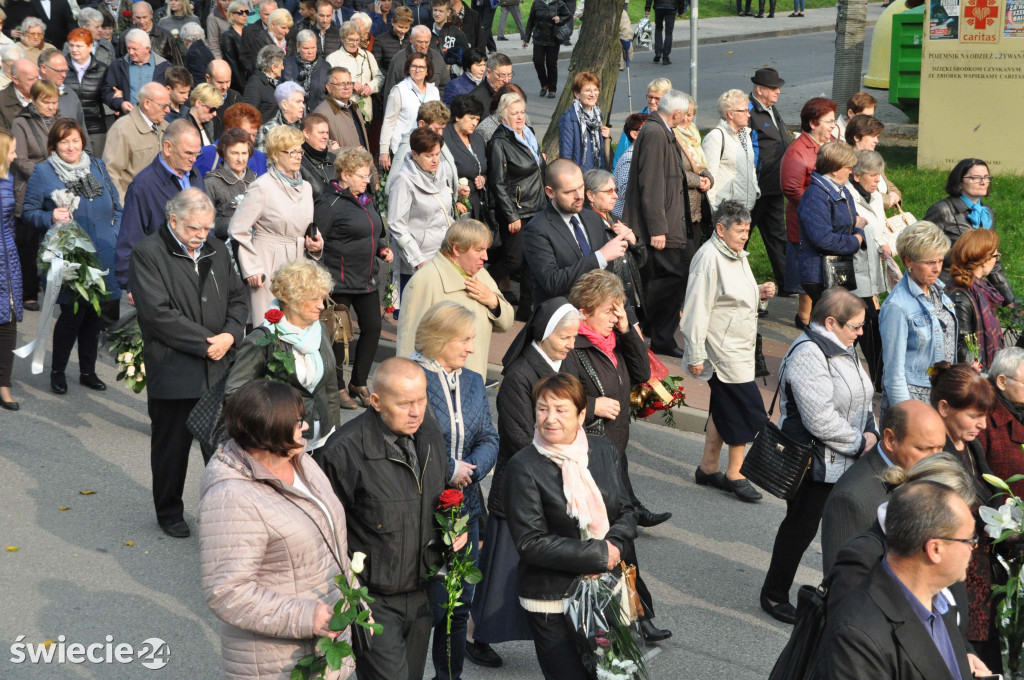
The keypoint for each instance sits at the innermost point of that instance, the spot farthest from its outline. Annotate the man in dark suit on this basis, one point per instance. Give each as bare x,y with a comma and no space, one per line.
893,625
564,241
770,141
56,15
17,95
911,431
658,208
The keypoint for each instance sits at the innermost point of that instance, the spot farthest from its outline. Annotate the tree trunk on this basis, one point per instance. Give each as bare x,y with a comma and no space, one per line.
849,59
597,48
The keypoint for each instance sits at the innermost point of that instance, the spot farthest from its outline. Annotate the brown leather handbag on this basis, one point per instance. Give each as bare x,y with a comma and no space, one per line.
338,320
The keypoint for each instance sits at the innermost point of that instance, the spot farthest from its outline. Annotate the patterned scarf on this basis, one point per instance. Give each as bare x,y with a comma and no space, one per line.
689,141
990,333
605,344
305,71
590,131
78,178
583,500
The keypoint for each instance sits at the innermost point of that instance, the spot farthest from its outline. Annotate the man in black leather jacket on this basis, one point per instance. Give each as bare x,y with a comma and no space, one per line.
388,467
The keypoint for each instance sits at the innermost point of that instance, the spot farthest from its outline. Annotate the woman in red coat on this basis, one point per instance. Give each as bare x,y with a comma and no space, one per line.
1001,440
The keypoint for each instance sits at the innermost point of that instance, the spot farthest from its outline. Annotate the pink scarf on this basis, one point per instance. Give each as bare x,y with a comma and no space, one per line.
605,344
584,502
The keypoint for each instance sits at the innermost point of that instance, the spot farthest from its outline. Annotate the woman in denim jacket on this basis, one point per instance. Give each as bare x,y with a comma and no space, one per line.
917,320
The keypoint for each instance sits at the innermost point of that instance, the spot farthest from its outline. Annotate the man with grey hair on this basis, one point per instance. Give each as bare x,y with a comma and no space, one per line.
1003,437
419,41
134,139
171,171
53,67
308,68
161,40
344,120
497,75
657,208
192,309
9,54
91,19
129,73
17,95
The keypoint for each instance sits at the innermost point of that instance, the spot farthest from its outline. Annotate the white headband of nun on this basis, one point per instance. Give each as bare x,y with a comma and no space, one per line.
556,318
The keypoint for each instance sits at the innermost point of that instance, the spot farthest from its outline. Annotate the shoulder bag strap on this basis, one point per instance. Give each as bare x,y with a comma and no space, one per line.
589,369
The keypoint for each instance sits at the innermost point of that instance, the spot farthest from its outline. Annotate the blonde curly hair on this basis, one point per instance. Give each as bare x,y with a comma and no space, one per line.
300,281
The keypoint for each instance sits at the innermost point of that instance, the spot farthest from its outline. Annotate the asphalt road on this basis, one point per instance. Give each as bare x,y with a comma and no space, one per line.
74,576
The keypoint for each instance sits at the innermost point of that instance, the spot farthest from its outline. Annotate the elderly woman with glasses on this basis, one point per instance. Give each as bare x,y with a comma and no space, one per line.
367,78
963,210
270,226
404,103
291,106
32,41
729,150
1002,438
917,321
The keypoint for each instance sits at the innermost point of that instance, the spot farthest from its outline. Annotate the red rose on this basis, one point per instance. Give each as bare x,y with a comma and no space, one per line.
273,315
450,498
389,309
126,14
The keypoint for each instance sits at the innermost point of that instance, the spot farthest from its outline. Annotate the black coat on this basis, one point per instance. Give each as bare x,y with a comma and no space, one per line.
317,169
385,47
390,507
354,237
556,260
483,94
254,36
470,23
516,178
259,92
772,141
90,93
616,382
197,58
540,25
551,553
231,52
317,79
853,504
873,633
180,304
469,165
117,77
329,41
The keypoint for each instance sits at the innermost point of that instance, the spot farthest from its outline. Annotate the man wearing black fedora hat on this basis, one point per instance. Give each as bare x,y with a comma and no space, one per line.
770,142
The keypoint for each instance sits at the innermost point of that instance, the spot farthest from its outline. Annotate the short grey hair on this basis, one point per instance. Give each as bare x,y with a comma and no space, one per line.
137,36
32,22
48,54
596,178
179,129
89,15
285,90
497,59
731,100
350,27
731,213
418,29
149,91
305,36
189,202
192,32
11,53
362,18
1006,362
268,3
507,100
268,56
673,101
869,162
920,240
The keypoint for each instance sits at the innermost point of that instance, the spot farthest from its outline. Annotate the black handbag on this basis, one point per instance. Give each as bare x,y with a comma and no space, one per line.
206,421
776,462
837,270
801,652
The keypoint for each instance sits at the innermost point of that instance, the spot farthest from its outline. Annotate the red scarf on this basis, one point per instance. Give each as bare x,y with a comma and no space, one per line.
605,344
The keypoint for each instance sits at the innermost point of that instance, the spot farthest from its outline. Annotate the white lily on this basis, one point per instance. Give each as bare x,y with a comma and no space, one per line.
358,560
1008,516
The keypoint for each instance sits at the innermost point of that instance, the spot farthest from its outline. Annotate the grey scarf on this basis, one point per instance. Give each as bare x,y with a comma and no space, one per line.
77,178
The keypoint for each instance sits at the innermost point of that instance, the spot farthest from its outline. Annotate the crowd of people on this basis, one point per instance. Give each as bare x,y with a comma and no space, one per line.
243,172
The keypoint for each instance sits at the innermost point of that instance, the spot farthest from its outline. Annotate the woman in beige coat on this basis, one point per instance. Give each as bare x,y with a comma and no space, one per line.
271,221
272,538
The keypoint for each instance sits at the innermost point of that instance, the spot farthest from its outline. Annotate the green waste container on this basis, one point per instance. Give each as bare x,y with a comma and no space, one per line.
905,61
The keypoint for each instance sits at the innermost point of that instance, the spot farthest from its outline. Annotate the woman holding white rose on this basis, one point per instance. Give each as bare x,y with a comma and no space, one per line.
98,212
272,537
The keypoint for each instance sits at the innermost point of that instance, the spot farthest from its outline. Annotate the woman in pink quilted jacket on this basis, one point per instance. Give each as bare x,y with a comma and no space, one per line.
271,537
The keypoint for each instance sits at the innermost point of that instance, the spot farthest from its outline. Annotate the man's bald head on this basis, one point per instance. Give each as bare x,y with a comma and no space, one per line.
560,169
400,395
24,73
419,38
565,186
218,74
911,431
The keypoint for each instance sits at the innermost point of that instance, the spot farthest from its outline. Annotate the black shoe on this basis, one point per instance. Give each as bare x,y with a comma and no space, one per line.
502,38
92,381
666,61
482,654
657,58
782,611
646,518
9,405
761,313
652,634
673,351
30,306
58,383
771,15
715,479
759,15
743,489
543,92
178,529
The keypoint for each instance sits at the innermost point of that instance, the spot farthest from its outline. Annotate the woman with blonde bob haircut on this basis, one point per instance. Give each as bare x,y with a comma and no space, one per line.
730,153
270,224
458,400
299,289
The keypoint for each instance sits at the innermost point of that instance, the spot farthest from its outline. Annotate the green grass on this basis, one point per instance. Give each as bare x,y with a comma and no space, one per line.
920,189
711,8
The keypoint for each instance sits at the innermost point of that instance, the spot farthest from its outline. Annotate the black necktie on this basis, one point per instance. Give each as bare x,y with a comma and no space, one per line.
408,448
581,238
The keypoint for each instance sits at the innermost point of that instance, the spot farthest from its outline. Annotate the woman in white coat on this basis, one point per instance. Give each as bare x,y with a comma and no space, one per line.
404,103
730,153
270,224
720,327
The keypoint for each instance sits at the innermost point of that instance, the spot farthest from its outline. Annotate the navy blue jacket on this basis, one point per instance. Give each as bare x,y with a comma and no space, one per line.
458,86
10,266
117,76
99,217
481,445
828,219
145,208
570,142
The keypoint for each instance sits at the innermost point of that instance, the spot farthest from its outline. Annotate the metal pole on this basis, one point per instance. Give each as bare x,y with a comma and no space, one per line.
693,50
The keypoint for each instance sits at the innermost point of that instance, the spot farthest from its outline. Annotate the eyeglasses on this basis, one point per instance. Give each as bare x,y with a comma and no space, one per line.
346,84
211,109
853,326
188,154
296,153
996,256
365,178
979,179
506,77
240,12
1019,382
746,111
58,71
972,541
417,68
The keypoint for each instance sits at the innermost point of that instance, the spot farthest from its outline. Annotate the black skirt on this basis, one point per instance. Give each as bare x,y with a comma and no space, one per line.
737,409
497,614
